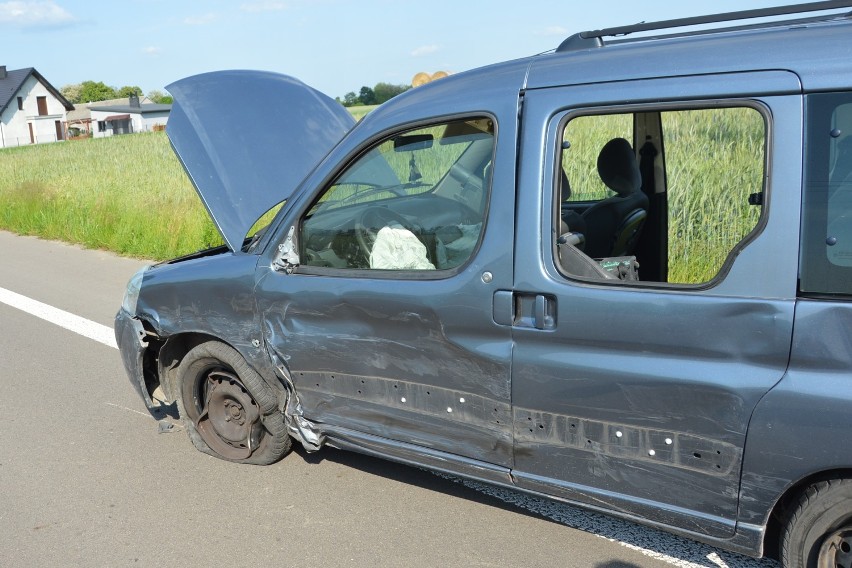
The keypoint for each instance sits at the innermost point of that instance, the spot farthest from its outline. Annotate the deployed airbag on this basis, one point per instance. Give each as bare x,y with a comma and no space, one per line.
397,248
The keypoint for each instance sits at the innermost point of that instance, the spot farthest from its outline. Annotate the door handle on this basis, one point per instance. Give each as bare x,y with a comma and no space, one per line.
545,314
524,309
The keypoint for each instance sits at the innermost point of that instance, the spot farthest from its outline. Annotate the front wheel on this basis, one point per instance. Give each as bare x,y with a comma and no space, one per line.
819,532
227,408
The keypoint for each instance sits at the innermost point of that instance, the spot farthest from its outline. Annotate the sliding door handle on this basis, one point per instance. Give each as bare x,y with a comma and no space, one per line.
524,309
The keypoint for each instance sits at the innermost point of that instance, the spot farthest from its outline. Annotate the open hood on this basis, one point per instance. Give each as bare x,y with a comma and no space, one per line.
247,138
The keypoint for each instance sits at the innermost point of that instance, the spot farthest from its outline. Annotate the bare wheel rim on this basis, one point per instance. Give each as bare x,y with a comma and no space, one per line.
836,550
229,418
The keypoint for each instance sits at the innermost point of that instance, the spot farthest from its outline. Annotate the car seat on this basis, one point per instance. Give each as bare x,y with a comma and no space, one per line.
614,224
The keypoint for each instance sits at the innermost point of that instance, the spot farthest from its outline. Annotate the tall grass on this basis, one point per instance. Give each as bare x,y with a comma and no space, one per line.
128,194
360,111
716,162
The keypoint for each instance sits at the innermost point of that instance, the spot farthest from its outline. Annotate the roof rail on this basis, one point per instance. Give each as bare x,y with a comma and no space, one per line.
594,38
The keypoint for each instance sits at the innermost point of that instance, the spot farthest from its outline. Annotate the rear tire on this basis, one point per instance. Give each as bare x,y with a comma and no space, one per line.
227,409
819,531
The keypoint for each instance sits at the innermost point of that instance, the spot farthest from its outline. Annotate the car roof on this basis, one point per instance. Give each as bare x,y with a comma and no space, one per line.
819,52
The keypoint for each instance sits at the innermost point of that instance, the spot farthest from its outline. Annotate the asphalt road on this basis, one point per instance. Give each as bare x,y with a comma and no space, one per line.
87,479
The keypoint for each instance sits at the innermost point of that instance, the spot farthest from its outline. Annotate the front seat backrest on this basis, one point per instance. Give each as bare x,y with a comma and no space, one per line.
613,224
571,220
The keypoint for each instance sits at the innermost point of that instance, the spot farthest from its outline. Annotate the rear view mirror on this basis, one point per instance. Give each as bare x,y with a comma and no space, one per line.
412,142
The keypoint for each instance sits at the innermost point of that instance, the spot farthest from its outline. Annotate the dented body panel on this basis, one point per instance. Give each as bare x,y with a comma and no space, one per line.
218,303
219,300
788,439
611,420
413,358
400,364
131,341
632,390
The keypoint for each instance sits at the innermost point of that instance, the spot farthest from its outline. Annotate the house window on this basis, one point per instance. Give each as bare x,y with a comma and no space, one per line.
20,103
102,126
42,106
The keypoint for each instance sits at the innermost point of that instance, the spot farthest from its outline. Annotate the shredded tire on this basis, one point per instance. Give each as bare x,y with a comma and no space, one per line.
274,440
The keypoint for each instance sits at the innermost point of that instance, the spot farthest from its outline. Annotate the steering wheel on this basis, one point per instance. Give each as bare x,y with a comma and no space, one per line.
372,220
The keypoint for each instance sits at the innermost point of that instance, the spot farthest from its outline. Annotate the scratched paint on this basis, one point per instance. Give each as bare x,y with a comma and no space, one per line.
678,449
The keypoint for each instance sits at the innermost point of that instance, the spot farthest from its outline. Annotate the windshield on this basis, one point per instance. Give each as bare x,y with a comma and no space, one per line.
443,159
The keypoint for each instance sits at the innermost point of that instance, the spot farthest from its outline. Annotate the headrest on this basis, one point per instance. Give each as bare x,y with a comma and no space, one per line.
618,168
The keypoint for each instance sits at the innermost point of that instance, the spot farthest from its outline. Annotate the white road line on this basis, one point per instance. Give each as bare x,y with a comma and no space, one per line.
67,320
668,548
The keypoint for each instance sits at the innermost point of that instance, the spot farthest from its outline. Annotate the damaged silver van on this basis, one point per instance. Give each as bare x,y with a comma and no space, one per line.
617,275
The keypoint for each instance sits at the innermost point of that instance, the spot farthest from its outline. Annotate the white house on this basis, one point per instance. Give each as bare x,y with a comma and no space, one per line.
80,119
32,111
110,120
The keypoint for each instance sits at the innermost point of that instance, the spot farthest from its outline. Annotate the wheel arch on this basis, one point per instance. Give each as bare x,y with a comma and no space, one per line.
170,354
784,506
164,354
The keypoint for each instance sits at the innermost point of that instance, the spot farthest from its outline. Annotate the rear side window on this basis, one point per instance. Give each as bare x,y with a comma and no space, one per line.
826,252
677,189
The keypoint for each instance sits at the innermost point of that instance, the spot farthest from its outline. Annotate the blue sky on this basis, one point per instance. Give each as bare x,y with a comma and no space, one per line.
335,46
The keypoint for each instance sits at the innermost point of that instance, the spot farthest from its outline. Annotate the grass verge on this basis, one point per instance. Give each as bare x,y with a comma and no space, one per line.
127,194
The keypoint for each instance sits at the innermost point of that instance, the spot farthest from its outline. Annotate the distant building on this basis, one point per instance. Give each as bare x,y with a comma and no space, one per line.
79,120
32,111
135,116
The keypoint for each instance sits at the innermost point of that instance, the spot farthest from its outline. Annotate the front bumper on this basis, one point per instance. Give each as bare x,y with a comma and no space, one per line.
131,337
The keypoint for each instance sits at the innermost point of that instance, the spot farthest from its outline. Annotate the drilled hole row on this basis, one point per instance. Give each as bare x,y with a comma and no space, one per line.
651,452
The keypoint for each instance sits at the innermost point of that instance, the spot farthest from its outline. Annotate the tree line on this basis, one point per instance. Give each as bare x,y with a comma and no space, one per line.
94,91
379,94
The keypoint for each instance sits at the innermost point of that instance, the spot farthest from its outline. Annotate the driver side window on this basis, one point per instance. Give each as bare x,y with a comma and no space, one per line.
415,201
